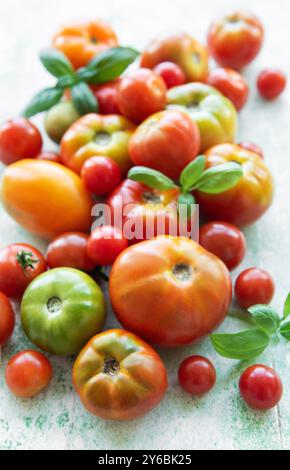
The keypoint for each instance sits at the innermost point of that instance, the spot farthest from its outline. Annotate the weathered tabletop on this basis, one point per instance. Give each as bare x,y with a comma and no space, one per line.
56,419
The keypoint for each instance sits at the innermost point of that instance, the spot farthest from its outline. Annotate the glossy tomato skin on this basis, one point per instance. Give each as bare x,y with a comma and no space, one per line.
271,83
231,84
106,95
249,199
261,387
7,320
118,376
50,156
167,141
101,175
254,286
252,148
171,73
197,375
70,250
19,139
28,373
155,280
106,244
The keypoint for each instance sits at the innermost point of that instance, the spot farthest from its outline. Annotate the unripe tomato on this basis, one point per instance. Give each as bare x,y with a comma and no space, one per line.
19,139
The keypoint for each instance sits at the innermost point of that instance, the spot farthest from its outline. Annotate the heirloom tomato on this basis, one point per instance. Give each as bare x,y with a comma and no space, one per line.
101,175
197,375
171,73
271,83
70,250
105,244
19,139
254,286
231,84
261,387
7,319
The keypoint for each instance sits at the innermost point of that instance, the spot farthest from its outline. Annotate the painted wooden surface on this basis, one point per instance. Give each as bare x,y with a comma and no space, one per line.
56,419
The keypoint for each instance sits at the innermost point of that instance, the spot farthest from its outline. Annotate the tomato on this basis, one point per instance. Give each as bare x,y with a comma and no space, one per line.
140,94
252,148
171,73
261,387
28,373
271,83
181,49
118,376
169,290
7,320
70,250
235,40
93,135
50,156
101,175
231,84
19,265
105,244
59,119
249,199
225,241
81,42
61,310
254,286
106,95
19,139
197,375
46,198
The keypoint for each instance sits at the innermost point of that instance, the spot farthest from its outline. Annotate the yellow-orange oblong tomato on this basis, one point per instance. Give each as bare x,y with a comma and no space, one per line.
169,290
46,198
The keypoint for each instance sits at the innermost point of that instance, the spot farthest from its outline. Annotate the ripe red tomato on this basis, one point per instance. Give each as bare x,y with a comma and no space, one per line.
252,148
28,373
101,175
261,387
106,95
50,156
271,83
19,139
70,250
140,94
225,241
106,244
171,73
197,375
19,265
254,286
7,320
231,84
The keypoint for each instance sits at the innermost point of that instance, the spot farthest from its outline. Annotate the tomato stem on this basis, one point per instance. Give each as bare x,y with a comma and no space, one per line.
26,260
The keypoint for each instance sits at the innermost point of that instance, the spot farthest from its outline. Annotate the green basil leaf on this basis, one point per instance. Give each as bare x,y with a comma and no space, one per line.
286,311
265,317
67,81
152,178
84,99
56,63
43,101
219,178
185,199
285,331
192,173
242,346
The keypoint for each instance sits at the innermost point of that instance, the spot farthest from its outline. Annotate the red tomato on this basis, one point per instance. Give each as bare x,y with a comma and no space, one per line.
101,175
7,319
19,265
28,373
50,156
106,95
271,83
171,73
254,286
252,148
225,241
197,375
19,139
140,94
261,387
70,250
105,245
231,84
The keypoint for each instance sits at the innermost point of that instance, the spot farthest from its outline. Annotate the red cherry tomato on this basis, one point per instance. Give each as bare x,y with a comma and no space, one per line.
197,375
28,373
271,83
171,73
50,156
231,84
106,244
19,139
107,97
101,175
261,387
7,319
70,250
254,286
252,148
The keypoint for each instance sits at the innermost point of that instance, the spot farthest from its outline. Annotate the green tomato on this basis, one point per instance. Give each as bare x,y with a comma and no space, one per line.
61,310
59,118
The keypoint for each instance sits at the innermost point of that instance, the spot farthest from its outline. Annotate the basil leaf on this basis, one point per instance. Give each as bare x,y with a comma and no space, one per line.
286,311
185,203
152,178
192,173
84,99
242,346
43,101
56,63
67,81
265,317
285,331
219,178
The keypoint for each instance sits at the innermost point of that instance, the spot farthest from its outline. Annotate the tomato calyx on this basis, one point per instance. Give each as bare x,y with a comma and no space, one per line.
26,260
111,366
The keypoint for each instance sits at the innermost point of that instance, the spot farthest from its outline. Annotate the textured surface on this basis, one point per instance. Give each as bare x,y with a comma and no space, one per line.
56,419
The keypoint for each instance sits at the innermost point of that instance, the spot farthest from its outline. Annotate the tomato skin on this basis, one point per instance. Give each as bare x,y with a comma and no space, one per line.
153,281
271,83
28,373
50,156
101,175
261,387
7,320
105,245
252,148
254,286
171,73
136,384
70,250
197,375
231,84
19,139
106,95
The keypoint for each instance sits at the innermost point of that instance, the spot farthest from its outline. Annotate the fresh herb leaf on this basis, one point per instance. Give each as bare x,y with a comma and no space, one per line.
152,178
191,173
219,178
241,346
186,202
83,99
43,101
285,331
286,311
56,63
265,317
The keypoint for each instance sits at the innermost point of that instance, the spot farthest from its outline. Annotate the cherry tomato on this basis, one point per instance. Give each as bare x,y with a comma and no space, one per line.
50,156
28,373
252,148
19,265
225,241
70,250
140,94
171,73
197,375
271,83
254,286
19,139
261,387
231,84
106,95
7,320
106,244
101,175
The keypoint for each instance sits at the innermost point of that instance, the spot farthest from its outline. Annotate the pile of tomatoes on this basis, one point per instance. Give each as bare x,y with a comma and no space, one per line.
159,115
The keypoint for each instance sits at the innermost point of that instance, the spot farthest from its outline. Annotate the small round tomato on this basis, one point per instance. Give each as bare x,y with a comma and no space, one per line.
19,139
254,286
171,73
261,387
252,148
19,265
70,250
7,319
28,373
271,83
50,156
140,94
101,175
106,244
197,375
225,241
106,95
231,84
59,118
